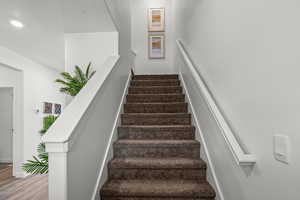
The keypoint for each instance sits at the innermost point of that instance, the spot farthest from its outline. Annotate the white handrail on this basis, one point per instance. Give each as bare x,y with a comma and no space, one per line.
61,131
241,157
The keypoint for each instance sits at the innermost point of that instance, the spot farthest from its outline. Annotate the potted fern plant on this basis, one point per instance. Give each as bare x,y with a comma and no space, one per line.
71,86
39,164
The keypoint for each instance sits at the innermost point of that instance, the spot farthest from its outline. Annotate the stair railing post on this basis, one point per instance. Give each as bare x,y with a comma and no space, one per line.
57,183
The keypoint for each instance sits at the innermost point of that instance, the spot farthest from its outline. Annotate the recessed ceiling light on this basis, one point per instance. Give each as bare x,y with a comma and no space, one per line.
16,23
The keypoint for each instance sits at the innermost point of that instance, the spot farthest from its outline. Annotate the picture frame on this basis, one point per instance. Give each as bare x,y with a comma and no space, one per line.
156,46
48,108
57,109
156,19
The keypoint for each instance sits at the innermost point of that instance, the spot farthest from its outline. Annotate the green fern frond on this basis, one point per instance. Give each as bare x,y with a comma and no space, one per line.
47,122
80,74
66,76
92,74
87,72
36,166
73,84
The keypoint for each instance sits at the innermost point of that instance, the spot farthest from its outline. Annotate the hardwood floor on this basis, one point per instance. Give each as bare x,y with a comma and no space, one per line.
30,188
5,171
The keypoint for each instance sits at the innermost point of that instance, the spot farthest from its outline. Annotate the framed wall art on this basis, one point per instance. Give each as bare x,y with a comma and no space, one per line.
47,108
156,19
57,109
156,46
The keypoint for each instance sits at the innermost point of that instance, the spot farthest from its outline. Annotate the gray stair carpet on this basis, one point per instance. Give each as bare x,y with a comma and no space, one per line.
156,156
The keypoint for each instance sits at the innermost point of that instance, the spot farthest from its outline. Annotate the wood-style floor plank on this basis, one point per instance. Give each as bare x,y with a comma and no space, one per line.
5,172
30,188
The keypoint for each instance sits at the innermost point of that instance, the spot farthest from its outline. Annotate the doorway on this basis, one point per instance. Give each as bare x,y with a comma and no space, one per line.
6,132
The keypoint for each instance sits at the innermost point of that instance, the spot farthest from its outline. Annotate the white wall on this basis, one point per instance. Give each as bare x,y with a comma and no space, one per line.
82,48
248,53
119,11
140,37
84,16
34,84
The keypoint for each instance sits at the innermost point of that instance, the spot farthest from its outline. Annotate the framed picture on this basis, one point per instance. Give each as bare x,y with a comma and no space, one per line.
156,19
48,108
156,46
57,109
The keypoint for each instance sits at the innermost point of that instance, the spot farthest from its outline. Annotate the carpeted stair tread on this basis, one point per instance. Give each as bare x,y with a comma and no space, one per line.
152,188
155,77
169,82
161,143
184,132
156,119
157,148
155,98
155,90
157,169
156,156
157,163
156,107
159,127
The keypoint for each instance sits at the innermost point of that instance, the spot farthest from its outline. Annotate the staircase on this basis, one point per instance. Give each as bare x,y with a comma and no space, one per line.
156,156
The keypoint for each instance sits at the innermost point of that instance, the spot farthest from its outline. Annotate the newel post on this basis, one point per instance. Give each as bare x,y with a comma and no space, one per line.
57,188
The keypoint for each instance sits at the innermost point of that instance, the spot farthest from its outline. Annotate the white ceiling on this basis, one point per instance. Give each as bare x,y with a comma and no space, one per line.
42,38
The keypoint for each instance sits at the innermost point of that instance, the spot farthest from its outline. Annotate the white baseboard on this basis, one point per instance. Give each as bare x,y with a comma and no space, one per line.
215,183
20,174
6,160
112,133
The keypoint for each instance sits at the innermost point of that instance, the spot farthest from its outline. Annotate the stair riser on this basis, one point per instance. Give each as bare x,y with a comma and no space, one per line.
156,108
157,174
155,77
132,120
152,198
156,134
155,83
160,90
155,98
183,151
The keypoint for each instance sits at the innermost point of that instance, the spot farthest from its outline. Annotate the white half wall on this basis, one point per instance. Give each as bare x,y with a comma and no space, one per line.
82,48
248,52
34,85
139,30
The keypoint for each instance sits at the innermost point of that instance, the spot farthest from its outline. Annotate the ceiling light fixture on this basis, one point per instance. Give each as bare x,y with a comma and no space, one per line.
16,23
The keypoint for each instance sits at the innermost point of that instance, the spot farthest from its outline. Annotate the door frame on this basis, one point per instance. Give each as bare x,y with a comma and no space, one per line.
14,119
18,121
